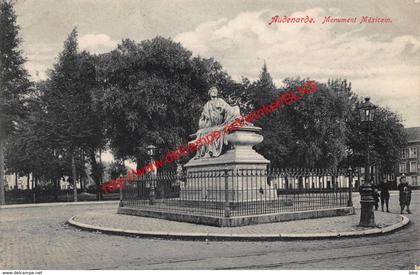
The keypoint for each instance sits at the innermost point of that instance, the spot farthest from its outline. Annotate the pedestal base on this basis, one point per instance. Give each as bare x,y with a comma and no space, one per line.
232,182
367,215
238,175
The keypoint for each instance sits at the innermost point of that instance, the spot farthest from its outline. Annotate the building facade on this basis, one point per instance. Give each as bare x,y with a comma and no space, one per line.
409,163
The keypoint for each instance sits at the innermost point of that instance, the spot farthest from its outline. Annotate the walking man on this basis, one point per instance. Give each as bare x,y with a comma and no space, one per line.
376,196
384,188
405,194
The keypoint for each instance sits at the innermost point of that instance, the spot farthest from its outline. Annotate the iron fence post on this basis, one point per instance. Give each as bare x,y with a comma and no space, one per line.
152,190
350,201
227,205
367,215
121,196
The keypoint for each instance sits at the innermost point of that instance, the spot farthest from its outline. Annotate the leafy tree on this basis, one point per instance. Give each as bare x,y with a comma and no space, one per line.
154,94
71,119
310,132
319,125
386,138
14,82
117,169
33,150
27,150
275,131
262,91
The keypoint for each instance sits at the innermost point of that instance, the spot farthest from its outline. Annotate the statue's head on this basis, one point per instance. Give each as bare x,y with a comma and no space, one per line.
213,92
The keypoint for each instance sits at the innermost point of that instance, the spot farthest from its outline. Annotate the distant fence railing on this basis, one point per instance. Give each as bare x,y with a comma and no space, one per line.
44,196
239,192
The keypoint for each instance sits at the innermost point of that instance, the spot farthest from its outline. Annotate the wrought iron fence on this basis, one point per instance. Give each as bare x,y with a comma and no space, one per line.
240,192
39,195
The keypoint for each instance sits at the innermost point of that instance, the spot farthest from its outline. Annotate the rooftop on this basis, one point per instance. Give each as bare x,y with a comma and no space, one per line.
413,133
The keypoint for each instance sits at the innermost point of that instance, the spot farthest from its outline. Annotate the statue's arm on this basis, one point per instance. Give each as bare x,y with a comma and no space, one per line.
202,123
204,118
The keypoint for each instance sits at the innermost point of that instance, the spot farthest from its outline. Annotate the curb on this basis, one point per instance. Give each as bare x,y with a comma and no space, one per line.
240,237
46,204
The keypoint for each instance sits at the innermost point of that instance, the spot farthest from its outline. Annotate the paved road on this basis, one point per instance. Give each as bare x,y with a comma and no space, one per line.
38,238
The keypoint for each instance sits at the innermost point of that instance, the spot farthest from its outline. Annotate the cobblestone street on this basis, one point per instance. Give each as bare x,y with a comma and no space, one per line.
38,238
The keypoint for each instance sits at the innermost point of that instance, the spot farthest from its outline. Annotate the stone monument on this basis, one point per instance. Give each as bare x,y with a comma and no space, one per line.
227,183
232,152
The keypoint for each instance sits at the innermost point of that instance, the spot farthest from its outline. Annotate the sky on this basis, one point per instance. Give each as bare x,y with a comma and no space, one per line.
381,60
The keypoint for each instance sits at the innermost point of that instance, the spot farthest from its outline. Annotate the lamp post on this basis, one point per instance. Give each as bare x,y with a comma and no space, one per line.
350,201
151,152
57,185
349,153
367,216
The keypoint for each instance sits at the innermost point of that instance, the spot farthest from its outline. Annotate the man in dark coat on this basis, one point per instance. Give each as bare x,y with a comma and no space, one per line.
376,196
384,188
405,194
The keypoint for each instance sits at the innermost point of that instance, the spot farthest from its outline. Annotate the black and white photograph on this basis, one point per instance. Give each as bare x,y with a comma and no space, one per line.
185,135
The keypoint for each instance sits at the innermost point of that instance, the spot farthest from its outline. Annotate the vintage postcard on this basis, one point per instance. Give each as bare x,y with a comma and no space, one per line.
209,135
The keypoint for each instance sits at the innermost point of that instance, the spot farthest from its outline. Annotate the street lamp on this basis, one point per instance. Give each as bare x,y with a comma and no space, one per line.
151,152
367,216
367,115
350,201
349,154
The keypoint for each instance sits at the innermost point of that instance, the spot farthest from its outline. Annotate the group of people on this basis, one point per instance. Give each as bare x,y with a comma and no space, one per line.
382,191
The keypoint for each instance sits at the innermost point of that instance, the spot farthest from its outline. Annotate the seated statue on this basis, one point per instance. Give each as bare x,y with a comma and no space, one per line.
216,114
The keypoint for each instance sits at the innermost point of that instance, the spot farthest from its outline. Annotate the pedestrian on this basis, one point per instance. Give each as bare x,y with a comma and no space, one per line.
384,188
405,194
376,196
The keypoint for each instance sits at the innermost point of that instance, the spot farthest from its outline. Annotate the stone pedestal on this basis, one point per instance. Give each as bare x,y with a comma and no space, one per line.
238,175
367,215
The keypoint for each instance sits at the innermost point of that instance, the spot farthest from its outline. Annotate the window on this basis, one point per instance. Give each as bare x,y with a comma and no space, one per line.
414,180
403,154
389,176
412,152
413,166
403,167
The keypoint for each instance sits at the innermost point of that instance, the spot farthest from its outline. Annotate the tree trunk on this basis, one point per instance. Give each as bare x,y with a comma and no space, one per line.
82,183
83,178
138,163
16,181
36,185
96,173
73,170
28,191
33,188
121,187
56,189
2,196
